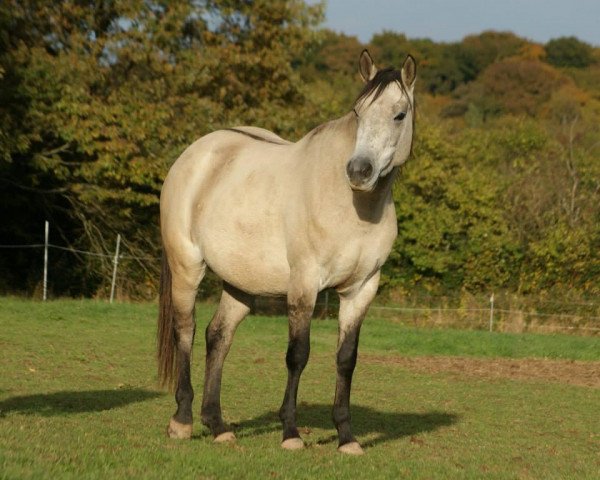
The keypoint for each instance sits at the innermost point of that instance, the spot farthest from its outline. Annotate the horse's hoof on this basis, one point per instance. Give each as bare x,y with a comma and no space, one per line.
295,443
179,430
352,448
225,437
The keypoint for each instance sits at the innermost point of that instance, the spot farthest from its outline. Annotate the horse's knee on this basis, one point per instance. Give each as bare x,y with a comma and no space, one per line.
346,355
213,336
300,311
297,353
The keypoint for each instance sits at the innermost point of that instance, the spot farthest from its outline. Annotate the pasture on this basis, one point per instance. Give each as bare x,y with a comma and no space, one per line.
78,399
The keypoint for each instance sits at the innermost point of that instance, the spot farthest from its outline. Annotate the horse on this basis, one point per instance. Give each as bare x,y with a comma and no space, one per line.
276,218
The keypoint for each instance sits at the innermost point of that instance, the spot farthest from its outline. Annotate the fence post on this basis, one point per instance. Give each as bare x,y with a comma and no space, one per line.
492,312
45,283
115,263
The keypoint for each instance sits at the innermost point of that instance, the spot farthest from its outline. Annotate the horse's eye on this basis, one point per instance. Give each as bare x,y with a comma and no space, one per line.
400,116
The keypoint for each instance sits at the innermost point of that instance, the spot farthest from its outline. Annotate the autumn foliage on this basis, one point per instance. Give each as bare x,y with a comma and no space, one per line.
97,99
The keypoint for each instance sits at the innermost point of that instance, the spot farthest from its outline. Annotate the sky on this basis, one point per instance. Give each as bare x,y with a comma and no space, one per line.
451,20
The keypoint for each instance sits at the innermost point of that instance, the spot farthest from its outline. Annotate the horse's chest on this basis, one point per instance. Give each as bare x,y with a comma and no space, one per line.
358,256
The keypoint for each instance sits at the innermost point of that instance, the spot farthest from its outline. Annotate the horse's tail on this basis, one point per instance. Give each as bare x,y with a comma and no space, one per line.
165,335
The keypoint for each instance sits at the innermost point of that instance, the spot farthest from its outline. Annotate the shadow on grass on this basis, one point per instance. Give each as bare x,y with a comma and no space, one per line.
366,421
67,402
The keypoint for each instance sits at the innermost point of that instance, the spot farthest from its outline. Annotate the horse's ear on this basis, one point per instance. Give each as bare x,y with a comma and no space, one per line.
409,71
366,67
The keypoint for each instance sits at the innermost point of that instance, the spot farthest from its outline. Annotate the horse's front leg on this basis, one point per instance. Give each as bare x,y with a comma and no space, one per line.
301,303
353,308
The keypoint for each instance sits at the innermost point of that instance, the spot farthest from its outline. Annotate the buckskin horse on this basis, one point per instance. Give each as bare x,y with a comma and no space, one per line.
272,217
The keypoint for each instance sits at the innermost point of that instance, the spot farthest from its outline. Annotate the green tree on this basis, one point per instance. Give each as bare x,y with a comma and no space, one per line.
452,232
516,86
439,71
569,52
476,52
100,98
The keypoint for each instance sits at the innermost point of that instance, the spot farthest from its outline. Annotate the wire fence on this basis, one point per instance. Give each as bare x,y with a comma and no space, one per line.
585,320
115,258
508,320
82,252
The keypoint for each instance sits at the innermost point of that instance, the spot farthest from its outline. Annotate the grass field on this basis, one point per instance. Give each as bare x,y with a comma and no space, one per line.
78,399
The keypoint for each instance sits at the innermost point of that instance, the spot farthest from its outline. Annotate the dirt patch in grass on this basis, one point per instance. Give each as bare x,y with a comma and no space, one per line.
572,372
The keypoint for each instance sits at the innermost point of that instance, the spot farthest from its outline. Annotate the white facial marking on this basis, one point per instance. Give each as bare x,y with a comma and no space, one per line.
382,138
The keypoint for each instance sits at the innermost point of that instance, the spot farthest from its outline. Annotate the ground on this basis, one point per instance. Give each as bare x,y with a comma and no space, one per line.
79,399
570,372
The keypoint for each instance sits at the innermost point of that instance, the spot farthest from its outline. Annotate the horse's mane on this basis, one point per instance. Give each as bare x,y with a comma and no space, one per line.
380,82
255,137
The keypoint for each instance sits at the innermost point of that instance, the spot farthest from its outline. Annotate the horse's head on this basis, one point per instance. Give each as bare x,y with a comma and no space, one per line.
385,114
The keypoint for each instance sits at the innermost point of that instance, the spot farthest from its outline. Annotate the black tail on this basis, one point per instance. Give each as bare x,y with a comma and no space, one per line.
165,335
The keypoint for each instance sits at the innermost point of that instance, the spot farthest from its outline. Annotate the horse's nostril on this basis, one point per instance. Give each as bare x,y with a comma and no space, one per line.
366,170
359,170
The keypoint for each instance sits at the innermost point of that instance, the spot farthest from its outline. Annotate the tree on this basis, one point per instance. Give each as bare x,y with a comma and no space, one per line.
519,86
439,72
452,234
569,52
335,54
476,52
100,97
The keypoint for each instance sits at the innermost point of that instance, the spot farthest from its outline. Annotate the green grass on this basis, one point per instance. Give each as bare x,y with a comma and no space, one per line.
78,399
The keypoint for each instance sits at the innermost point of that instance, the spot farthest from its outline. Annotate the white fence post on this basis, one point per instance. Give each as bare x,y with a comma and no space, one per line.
45,283
492,312
115,263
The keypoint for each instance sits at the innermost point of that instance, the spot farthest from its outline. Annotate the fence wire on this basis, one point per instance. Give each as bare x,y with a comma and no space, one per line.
393,309
83,252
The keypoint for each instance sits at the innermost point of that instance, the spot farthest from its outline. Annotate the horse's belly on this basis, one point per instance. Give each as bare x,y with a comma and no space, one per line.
248,254
239,226
253,270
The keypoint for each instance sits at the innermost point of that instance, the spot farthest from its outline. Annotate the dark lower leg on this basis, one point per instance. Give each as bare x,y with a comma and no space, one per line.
180,425
232,309
346,361
301,303
184,394
185,328
296,359
216,350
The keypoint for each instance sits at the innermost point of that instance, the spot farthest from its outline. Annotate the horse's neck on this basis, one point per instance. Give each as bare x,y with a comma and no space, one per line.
371,206
336,139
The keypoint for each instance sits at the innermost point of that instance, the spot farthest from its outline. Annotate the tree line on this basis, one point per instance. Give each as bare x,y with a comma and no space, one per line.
98,98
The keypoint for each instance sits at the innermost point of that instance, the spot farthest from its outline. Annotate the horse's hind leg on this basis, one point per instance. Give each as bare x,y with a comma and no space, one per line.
179,331
233,308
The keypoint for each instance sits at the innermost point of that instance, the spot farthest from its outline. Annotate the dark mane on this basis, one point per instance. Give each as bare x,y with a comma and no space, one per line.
380,82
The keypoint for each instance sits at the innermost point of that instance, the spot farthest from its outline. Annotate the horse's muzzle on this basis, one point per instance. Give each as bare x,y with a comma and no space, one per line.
359,171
